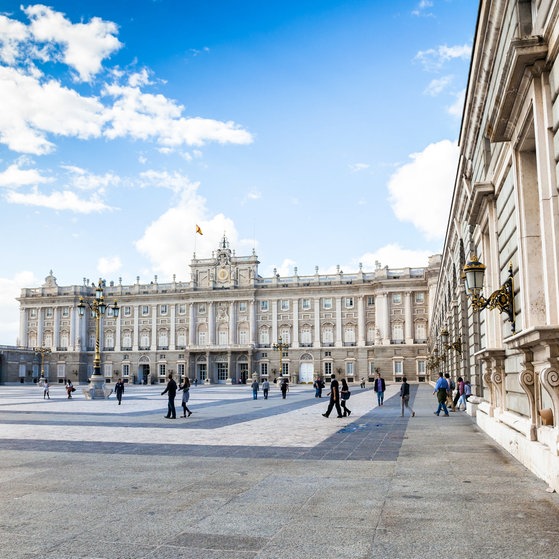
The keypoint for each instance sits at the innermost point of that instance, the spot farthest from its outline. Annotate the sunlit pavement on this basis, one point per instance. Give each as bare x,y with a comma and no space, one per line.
258,478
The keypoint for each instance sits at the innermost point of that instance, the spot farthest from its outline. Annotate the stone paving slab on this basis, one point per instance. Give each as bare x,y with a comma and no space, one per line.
260,479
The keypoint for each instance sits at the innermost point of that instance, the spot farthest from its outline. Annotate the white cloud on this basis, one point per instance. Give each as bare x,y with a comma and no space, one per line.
31,110
36,108
395,256
421,191
251,196
285,268
12,34
84,45
422,8
356,167
85,180
145,116
109,265
438,85
14,177
175,181
435,59
10,288
65,200
170,241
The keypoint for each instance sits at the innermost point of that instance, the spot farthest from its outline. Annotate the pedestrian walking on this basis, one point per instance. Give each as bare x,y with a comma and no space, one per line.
185,387
405,396
451,388
459,392
254,387
119,390
171,391
284,387
441,390
265,388
379,387
344,397
334,397
46,393
69,388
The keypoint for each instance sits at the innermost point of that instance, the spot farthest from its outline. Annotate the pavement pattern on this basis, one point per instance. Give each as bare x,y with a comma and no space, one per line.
259,479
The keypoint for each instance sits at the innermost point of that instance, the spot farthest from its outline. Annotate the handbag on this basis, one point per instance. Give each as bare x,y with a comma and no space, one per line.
346,395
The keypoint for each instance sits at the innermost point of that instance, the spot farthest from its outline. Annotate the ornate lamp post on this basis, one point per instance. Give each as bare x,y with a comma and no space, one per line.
42,351
281,347
97,306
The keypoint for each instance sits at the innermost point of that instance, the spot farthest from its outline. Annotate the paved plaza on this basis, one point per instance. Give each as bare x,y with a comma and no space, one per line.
259,479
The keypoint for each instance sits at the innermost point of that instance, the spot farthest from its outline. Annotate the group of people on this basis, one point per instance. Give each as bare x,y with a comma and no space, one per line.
451,394
171,391
284,388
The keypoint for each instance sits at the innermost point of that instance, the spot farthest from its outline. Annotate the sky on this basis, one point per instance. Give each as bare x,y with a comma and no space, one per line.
316,133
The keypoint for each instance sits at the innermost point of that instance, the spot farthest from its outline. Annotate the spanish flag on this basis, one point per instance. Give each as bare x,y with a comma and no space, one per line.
198,230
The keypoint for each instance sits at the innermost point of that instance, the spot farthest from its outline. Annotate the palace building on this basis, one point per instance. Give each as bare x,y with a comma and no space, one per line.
496,309
228,323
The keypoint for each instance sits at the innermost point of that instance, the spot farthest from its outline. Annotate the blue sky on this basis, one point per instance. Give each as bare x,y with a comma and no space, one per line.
319,133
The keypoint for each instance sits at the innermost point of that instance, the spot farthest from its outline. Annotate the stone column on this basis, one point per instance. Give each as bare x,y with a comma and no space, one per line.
408,314
295,340
232,323
317,342
361,332
274,321
191,325
154,339
211,323
136,340
172,329
338,341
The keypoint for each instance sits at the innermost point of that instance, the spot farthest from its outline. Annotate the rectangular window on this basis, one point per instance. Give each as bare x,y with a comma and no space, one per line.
420,367
48,312
126,311
107,370
202,308
163,309
162,369
264,369
398,367
242,306
180,370
182,308
243,337
397,298
222,370
126,370
202,338
328,368
285,369
327,303
349,302
349,368
33,313
370,301
264,306
145,310
61,370
65,312
306,304
420,298
284,305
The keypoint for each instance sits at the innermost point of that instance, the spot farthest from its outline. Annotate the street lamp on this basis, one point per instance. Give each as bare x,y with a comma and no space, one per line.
456,345
502,298
97,306
42,351
281,347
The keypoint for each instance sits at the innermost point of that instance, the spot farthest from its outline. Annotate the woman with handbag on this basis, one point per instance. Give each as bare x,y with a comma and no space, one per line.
344,395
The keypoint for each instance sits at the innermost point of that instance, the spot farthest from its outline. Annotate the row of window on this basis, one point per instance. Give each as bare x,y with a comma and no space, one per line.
284,305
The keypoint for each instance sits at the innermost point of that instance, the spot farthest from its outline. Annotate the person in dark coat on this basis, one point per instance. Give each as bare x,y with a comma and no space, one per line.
334,397
344,396
405,396
119,390
284,387
185,387
171,391
379,387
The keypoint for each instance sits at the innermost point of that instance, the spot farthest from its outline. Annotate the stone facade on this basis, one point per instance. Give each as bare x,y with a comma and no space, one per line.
225,324
505,210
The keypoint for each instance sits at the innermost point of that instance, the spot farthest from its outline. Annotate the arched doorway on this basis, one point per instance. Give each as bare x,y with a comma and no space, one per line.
144,376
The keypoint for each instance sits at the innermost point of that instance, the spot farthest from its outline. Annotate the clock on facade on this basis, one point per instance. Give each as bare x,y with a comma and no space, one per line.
222,274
